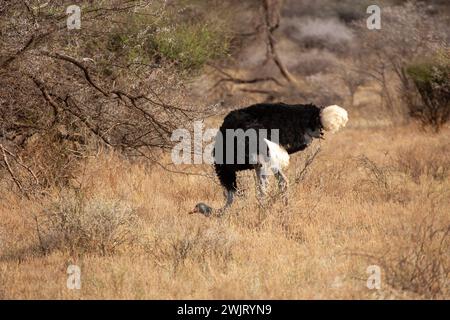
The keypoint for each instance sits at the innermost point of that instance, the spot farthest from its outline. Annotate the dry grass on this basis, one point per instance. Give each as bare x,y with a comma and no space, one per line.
78,224
372,196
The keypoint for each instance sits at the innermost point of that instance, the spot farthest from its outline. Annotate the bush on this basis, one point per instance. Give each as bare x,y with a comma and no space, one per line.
78,224
323,91
191,46
327,34
425,160
103,86
184,34
408,33
174,247
432,81
349,11
313,62
346,10
421,263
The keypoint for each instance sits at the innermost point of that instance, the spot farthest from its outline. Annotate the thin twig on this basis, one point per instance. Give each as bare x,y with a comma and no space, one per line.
11,173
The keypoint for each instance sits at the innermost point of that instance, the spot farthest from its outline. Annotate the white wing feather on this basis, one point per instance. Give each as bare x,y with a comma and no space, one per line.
278,155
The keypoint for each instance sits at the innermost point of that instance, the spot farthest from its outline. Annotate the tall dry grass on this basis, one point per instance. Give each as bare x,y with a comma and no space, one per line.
372,196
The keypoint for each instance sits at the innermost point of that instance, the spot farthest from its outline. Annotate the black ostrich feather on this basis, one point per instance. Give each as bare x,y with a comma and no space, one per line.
297,125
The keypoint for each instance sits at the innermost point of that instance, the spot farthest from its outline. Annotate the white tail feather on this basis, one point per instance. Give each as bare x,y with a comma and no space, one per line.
279,157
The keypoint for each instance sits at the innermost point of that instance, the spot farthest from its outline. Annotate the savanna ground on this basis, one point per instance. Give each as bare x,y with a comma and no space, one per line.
372,196
86,176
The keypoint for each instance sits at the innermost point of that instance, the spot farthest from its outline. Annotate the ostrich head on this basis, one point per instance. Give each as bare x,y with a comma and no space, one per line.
333,118
202,208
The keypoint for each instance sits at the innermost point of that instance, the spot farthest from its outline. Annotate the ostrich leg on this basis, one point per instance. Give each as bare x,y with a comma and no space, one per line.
229,196
262,183
282,184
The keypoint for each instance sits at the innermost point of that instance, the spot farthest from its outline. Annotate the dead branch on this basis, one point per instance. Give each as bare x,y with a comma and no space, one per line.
309,160
79,65
272,14
47,97
229,78
11,173
18,53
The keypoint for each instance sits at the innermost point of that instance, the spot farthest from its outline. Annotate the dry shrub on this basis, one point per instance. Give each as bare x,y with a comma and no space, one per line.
314,62
52,157
174,247
425,161
329,34
419,261
381,182
349,11
352,80
80,224
408,33
111,87
324,90
417,164
346,10
278,219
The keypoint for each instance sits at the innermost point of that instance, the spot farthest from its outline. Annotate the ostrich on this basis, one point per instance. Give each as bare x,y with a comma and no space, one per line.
296,127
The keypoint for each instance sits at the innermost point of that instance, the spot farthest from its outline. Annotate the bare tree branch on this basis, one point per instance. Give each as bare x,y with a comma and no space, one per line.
272,13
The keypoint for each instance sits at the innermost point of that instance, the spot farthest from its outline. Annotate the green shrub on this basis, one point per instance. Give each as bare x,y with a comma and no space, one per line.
431,78
191,46
181,35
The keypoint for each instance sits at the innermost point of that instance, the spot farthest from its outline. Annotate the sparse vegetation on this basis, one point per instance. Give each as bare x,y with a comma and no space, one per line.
328,34
85,176
386,57
81,225
338,215
419,263
432,81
